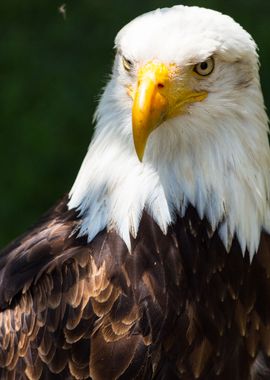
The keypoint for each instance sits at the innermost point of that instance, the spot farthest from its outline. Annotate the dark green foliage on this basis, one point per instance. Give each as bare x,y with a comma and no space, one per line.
51,72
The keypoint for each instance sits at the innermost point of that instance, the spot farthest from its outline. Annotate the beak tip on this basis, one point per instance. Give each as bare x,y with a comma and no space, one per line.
139,156
139,145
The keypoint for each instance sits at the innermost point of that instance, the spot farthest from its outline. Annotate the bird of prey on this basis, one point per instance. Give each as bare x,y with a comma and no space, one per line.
156,266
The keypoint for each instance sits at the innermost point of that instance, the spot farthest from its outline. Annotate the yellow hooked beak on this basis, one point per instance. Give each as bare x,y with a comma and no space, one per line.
159,96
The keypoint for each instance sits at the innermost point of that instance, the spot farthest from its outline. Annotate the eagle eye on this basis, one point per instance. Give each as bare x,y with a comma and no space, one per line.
205,68
127,63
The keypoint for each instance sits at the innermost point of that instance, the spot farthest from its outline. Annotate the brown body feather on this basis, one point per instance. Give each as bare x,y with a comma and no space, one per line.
177,307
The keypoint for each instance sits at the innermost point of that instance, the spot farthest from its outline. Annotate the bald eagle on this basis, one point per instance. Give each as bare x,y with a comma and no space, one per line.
157,264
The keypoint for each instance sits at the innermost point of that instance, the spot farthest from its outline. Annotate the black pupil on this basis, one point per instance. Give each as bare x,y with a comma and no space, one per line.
204,65
128,63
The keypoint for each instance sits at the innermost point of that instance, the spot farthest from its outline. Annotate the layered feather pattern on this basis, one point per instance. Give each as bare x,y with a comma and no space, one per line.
176,306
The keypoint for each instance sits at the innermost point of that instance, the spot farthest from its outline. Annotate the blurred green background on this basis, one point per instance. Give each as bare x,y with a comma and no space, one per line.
51,71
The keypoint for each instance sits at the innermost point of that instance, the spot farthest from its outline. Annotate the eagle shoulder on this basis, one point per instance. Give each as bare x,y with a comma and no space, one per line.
68,306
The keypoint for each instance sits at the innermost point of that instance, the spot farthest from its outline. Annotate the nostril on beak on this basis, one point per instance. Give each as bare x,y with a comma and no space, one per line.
160,85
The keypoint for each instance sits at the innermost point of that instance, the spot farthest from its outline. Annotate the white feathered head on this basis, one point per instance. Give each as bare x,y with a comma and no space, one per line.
180,122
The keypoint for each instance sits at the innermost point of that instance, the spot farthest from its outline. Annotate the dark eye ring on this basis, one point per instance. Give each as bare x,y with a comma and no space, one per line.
127,63
205,68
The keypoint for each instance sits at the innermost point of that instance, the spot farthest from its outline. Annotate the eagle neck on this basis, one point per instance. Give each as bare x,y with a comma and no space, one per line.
223,174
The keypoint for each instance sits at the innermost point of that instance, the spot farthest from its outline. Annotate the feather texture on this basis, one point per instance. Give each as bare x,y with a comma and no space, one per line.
177,306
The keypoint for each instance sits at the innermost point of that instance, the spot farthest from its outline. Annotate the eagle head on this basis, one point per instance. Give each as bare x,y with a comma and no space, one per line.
181,122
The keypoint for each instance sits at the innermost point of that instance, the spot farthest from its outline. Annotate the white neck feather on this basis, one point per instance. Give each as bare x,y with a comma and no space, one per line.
219,164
